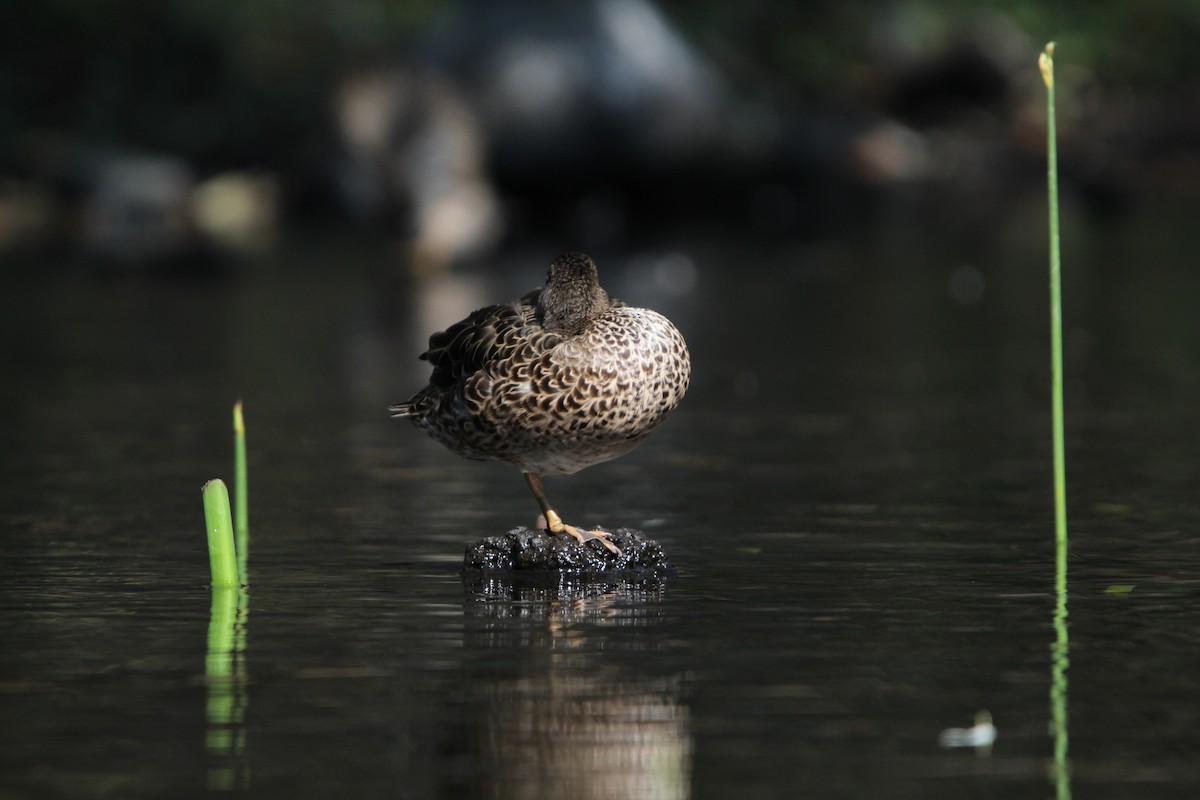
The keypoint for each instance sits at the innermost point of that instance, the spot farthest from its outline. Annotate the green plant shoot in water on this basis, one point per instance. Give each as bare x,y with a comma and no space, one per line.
218,519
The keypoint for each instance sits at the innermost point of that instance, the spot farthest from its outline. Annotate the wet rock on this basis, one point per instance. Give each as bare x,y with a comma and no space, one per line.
527,550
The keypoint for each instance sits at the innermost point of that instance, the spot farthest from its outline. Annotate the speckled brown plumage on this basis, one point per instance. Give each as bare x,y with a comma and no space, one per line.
562,379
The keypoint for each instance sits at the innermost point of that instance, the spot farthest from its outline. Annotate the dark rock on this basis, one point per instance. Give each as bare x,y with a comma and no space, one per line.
527,550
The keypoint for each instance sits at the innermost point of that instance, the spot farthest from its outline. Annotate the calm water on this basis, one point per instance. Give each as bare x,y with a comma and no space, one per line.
856,494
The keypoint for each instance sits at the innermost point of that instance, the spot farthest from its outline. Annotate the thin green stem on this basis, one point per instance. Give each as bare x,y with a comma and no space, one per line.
218,520
240,497
1046,63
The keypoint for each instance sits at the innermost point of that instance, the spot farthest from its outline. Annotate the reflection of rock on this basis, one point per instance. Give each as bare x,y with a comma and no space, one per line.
573,724
526,549
558,597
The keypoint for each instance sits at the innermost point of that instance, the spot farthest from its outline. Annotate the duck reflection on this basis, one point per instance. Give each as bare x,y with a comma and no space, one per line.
577,718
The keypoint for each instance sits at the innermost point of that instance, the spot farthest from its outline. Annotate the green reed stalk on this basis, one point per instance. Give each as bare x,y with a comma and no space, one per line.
1046,64
218,519
240,498
1060,649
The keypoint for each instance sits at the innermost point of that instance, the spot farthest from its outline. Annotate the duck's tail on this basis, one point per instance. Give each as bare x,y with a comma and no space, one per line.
408,409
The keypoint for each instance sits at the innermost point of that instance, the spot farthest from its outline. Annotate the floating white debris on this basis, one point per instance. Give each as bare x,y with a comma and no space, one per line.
981,734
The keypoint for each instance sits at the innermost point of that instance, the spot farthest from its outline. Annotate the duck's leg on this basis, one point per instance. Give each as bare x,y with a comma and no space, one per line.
554,522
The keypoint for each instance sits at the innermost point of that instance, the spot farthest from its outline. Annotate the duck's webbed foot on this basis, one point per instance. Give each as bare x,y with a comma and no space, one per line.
554,524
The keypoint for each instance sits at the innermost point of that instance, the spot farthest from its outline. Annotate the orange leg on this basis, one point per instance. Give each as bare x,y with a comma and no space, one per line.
554,522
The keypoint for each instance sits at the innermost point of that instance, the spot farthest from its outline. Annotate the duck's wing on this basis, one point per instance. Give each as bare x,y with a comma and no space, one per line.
485,336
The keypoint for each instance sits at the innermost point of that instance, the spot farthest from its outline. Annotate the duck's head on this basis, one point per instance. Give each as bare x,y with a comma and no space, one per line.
572,297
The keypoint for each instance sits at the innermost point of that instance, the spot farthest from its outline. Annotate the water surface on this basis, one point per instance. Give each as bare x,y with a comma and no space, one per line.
856,495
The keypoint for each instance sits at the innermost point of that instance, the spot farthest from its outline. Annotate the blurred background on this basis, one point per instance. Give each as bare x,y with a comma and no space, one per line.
174,136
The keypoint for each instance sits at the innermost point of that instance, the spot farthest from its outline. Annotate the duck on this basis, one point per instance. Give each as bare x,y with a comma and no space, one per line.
564,378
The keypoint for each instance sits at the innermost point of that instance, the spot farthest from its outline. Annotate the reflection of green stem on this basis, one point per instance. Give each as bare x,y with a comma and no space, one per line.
1060,659
218,663
225,673
240,499
221,558
1060,650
